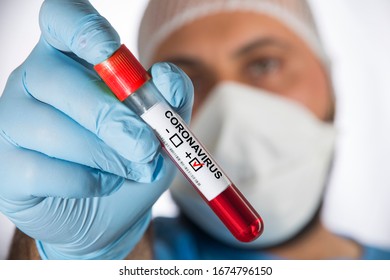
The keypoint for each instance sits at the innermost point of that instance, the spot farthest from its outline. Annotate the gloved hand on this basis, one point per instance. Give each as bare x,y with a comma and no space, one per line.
80,171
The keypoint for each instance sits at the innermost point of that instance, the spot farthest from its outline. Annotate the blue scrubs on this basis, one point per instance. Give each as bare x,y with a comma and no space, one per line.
178,239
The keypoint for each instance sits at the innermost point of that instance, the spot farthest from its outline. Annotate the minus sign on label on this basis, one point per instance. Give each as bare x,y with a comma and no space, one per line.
167,130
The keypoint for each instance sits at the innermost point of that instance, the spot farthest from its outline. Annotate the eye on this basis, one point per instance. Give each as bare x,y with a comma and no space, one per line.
262,67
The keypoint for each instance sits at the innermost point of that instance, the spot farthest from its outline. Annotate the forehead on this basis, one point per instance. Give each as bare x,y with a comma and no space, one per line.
224,32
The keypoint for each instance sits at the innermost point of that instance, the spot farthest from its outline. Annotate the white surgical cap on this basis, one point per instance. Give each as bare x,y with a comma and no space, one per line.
163,17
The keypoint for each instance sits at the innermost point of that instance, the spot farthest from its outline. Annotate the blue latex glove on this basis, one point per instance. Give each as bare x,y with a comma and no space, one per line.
80,171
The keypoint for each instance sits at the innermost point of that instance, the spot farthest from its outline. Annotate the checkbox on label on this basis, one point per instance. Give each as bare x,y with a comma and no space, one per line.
196,164
176,140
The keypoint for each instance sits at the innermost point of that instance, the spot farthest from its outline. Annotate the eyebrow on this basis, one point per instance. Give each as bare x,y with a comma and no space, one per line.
254,45
184,61
260,43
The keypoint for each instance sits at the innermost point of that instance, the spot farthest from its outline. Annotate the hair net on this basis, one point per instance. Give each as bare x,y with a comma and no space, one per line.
162,18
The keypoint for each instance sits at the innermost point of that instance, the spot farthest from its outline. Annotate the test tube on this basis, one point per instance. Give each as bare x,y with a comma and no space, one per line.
130,82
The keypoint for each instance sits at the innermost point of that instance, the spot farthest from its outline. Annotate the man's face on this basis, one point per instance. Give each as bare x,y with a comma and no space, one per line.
252,49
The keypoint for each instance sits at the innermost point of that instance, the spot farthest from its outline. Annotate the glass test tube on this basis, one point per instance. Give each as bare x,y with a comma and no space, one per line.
130,82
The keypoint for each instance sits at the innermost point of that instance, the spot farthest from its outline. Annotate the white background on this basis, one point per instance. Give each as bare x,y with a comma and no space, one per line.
356,34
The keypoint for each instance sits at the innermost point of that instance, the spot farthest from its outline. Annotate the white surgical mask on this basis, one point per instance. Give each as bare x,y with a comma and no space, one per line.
275,151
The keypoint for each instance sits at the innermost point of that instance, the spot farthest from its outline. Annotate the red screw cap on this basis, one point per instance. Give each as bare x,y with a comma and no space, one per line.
122,73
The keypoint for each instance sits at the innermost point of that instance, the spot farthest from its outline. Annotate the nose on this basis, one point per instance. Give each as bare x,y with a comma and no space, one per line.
225,73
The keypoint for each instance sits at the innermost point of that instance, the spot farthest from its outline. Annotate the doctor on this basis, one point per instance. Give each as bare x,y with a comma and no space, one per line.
82,171
264,106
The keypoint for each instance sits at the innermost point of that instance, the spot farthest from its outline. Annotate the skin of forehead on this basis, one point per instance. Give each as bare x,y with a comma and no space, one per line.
246,26
213,39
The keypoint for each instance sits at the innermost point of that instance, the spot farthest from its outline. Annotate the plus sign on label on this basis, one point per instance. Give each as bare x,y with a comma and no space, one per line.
187,152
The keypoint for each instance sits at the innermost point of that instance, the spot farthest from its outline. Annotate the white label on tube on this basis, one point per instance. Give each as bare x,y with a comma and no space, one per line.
188,153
